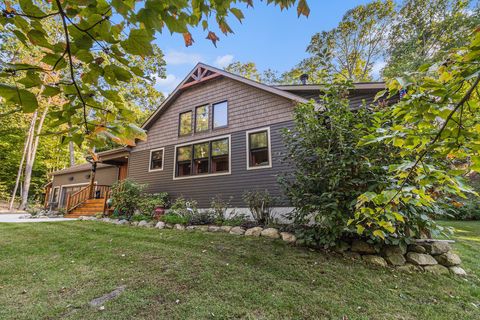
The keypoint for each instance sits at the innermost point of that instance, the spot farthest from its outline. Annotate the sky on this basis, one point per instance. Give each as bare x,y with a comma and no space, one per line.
267,36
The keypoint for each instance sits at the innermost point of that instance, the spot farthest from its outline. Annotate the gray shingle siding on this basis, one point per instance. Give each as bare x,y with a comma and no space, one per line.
229,187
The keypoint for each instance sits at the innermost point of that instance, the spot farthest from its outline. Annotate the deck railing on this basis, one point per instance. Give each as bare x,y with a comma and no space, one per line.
77,198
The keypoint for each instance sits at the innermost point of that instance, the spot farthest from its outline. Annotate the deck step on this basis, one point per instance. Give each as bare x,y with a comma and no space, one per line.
90,207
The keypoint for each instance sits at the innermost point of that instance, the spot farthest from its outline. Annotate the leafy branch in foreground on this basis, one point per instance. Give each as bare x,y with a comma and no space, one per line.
436,126
101,47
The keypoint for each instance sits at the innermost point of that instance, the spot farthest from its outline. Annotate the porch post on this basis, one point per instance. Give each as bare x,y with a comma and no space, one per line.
92,179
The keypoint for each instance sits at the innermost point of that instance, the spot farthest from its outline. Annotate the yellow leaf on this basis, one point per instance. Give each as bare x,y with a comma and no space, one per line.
379,233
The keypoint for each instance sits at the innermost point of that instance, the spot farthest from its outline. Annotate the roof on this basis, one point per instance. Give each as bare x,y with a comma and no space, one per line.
319,87
209,72
79,168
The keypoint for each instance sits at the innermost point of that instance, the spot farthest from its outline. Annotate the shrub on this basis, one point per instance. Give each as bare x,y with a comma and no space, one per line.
183,207
173,218
148,202
239,220
125,196
202,217
140,217
469,210
219,208
260,205
329,169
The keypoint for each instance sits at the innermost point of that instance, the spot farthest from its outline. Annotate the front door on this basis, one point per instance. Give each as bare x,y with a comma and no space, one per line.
122,171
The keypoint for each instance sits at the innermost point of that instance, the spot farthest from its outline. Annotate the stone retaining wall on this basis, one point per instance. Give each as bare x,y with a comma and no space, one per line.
433,256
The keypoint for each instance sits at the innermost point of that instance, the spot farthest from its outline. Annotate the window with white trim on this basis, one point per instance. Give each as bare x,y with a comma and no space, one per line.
258,149
156,159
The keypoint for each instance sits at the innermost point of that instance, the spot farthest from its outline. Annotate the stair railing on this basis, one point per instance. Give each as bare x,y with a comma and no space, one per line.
77,198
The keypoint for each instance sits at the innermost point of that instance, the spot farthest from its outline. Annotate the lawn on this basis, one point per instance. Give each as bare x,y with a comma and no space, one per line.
53,270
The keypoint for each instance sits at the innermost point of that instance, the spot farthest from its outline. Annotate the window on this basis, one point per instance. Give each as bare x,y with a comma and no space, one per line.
258,151
156,159
220,156
201,119
201,155
55,194
220,115
184,161
185,123
203,158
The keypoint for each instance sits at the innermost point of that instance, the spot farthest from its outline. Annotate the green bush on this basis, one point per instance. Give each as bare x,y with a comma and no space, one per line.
202,217
173,218
148,202
329,168
260,205
468,210
219,208
183,207
125,196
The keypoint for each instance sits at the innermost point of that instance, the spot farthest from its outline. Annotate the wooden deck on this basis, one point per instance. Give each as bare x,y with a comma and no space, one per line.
90,207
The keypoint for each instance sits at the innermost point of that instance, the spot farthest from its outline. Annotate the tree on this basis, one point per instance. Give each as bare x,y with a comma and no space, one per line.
353,47
99,48
425,30
249,70
436,126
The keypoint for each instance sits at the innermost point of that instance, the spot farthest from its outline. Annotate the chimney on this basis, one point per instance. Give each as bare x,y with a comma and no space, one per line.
304,78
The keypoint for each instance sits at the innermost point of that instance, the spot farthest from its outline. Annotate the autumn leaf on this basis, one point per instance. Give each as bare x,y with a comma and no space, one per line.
213,37
187,37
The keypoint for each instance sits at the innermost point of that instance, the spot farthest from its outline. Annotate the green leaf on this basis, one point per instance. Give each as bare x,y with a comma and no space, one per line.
31,80
138,43
50,91
37,38
21,97
84,55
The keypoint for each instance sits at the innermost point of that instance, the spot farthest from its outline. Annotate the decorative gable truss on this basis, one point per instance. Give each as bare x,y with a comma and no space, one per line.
198,75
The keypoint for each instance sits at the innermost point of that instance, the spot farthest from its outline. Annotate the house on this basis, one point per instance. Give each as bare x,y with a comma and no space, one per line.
217,133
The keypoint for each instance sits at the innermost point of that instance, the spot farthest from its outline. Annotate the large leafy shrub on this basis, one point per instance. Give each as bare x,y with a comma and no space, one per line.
329,169
125,196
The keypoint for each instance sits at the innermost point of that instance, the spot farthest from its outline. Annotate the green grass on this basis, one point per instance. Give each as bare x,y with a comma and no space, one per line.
52,270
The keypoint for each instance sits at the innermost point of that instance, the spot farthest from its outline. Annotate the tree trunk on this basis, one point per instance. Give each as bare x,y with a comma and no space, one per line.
28,139
30,161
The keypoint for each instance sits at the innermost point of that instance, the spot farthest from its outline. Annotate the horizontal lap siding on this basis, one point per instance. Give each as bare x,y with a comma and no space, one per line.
103,176
227,186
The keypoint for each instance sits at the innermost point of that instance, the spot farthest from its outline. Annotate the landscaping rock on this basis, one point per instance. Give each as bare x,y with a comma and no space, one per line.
288,237
416,248
396,259
225,229
109,296
254,232
375,260
342,246
190,228
420,259
394,250
202,228
270,233
143,224
437,269
363,247
448,259
106,219
135,223
168,226
179,226
409,267
114,221
437,247
160,225
29,216
123,221
352,255
237,231
457,271
213,228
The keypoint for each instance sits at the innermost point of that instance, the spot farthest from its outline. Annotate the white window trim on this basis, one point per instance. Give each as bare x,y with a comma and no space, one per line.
150,160
206,174
53,192
269,148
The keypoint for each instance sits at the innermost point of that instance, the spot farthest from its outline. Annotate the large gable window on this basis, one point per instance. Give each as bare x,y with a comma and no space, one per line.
203,158
156,159
258,149
220,115
185,126
201,119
